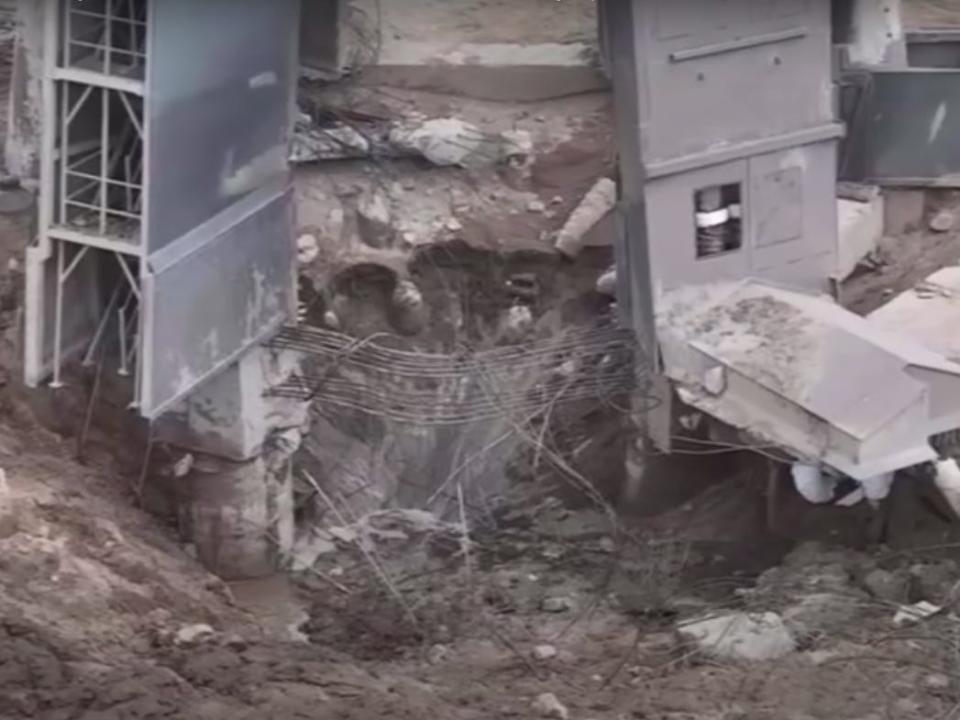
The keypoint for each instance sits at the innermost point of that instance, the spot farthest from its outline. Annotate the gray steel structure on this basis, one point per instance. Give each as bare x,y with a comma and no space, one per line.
902,118
724,94
166,232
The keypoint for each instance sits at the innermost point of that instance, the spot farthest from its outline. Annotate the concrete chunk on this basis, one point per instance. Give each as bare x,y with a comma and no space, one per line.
741,636
860,226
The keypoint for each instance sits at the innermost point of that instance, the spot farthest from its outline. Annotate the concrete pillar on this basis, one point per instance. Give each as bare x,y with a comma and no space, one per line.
876,34
22,148
236,505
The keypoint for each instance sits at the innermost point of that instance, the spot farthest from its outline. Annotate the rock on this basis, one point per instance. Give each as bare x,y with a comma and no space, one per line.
823,612
885,585
409,309
557,604
438,654
740,636
548,706
308,249
517,145
596,204
544,652
909,614
454,225
374,220
194,634
935,581
942,221
236,642
331,320
607,283
936,681
536,206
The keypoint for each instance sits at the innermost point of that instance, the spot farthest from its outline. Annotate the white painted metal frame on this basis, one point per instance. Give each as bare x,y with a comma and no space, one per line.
91,198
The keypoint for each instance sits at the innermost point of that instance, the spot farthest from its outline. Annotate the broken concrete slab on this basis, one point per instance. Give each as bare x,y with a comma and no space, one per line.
740,636
596,205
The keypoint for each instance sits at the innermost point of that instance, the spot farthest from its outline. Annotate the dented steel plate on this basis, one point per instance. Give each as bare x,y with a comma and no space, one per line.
203,310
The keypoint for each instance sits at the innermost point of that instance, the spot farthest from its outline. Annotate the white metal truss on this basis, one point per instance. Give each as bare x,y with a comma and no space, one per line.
93,170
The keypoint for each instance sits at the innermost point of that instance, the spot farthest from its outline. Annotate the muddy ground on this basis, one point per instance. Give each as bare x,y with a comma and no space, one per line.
403,616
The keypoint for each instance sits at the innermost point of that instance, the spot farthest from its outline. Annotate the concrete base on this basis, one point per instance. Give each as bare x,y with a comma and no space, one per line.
493,71
903,210
236,505
239,517
860,230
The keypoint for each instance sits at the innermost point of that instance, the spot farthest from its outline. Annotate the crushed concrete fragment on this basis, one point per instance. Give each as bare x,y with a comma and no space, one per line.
596,204
741,636
908,614
607,283
374,220
544,652
194,634
557,604
548,705
936,681
943,221
308,248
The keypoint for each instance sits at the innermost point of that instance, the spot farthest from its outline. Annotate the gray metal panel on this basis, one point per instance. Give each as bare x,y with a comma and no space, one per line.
207,308
218,94
698,54
908,129
794,214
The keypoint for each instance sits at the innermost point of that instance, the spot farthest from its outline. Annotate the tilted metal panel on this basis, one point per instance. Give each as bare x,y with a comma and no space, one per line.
904,129
202,311
219,81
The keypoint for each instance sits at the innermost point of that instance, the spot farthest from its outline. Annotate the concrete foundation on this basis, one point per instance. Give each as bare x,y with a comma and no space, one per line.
22,148
236,505
239,517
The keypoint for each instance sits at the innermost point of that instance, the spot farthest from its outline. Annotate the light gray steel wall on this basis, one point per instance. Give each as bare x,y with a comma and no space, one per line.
728,91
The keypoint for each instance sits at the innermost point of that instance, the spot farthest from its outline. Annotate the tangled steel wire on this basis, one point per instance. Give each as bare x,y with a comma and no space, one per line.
468,386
